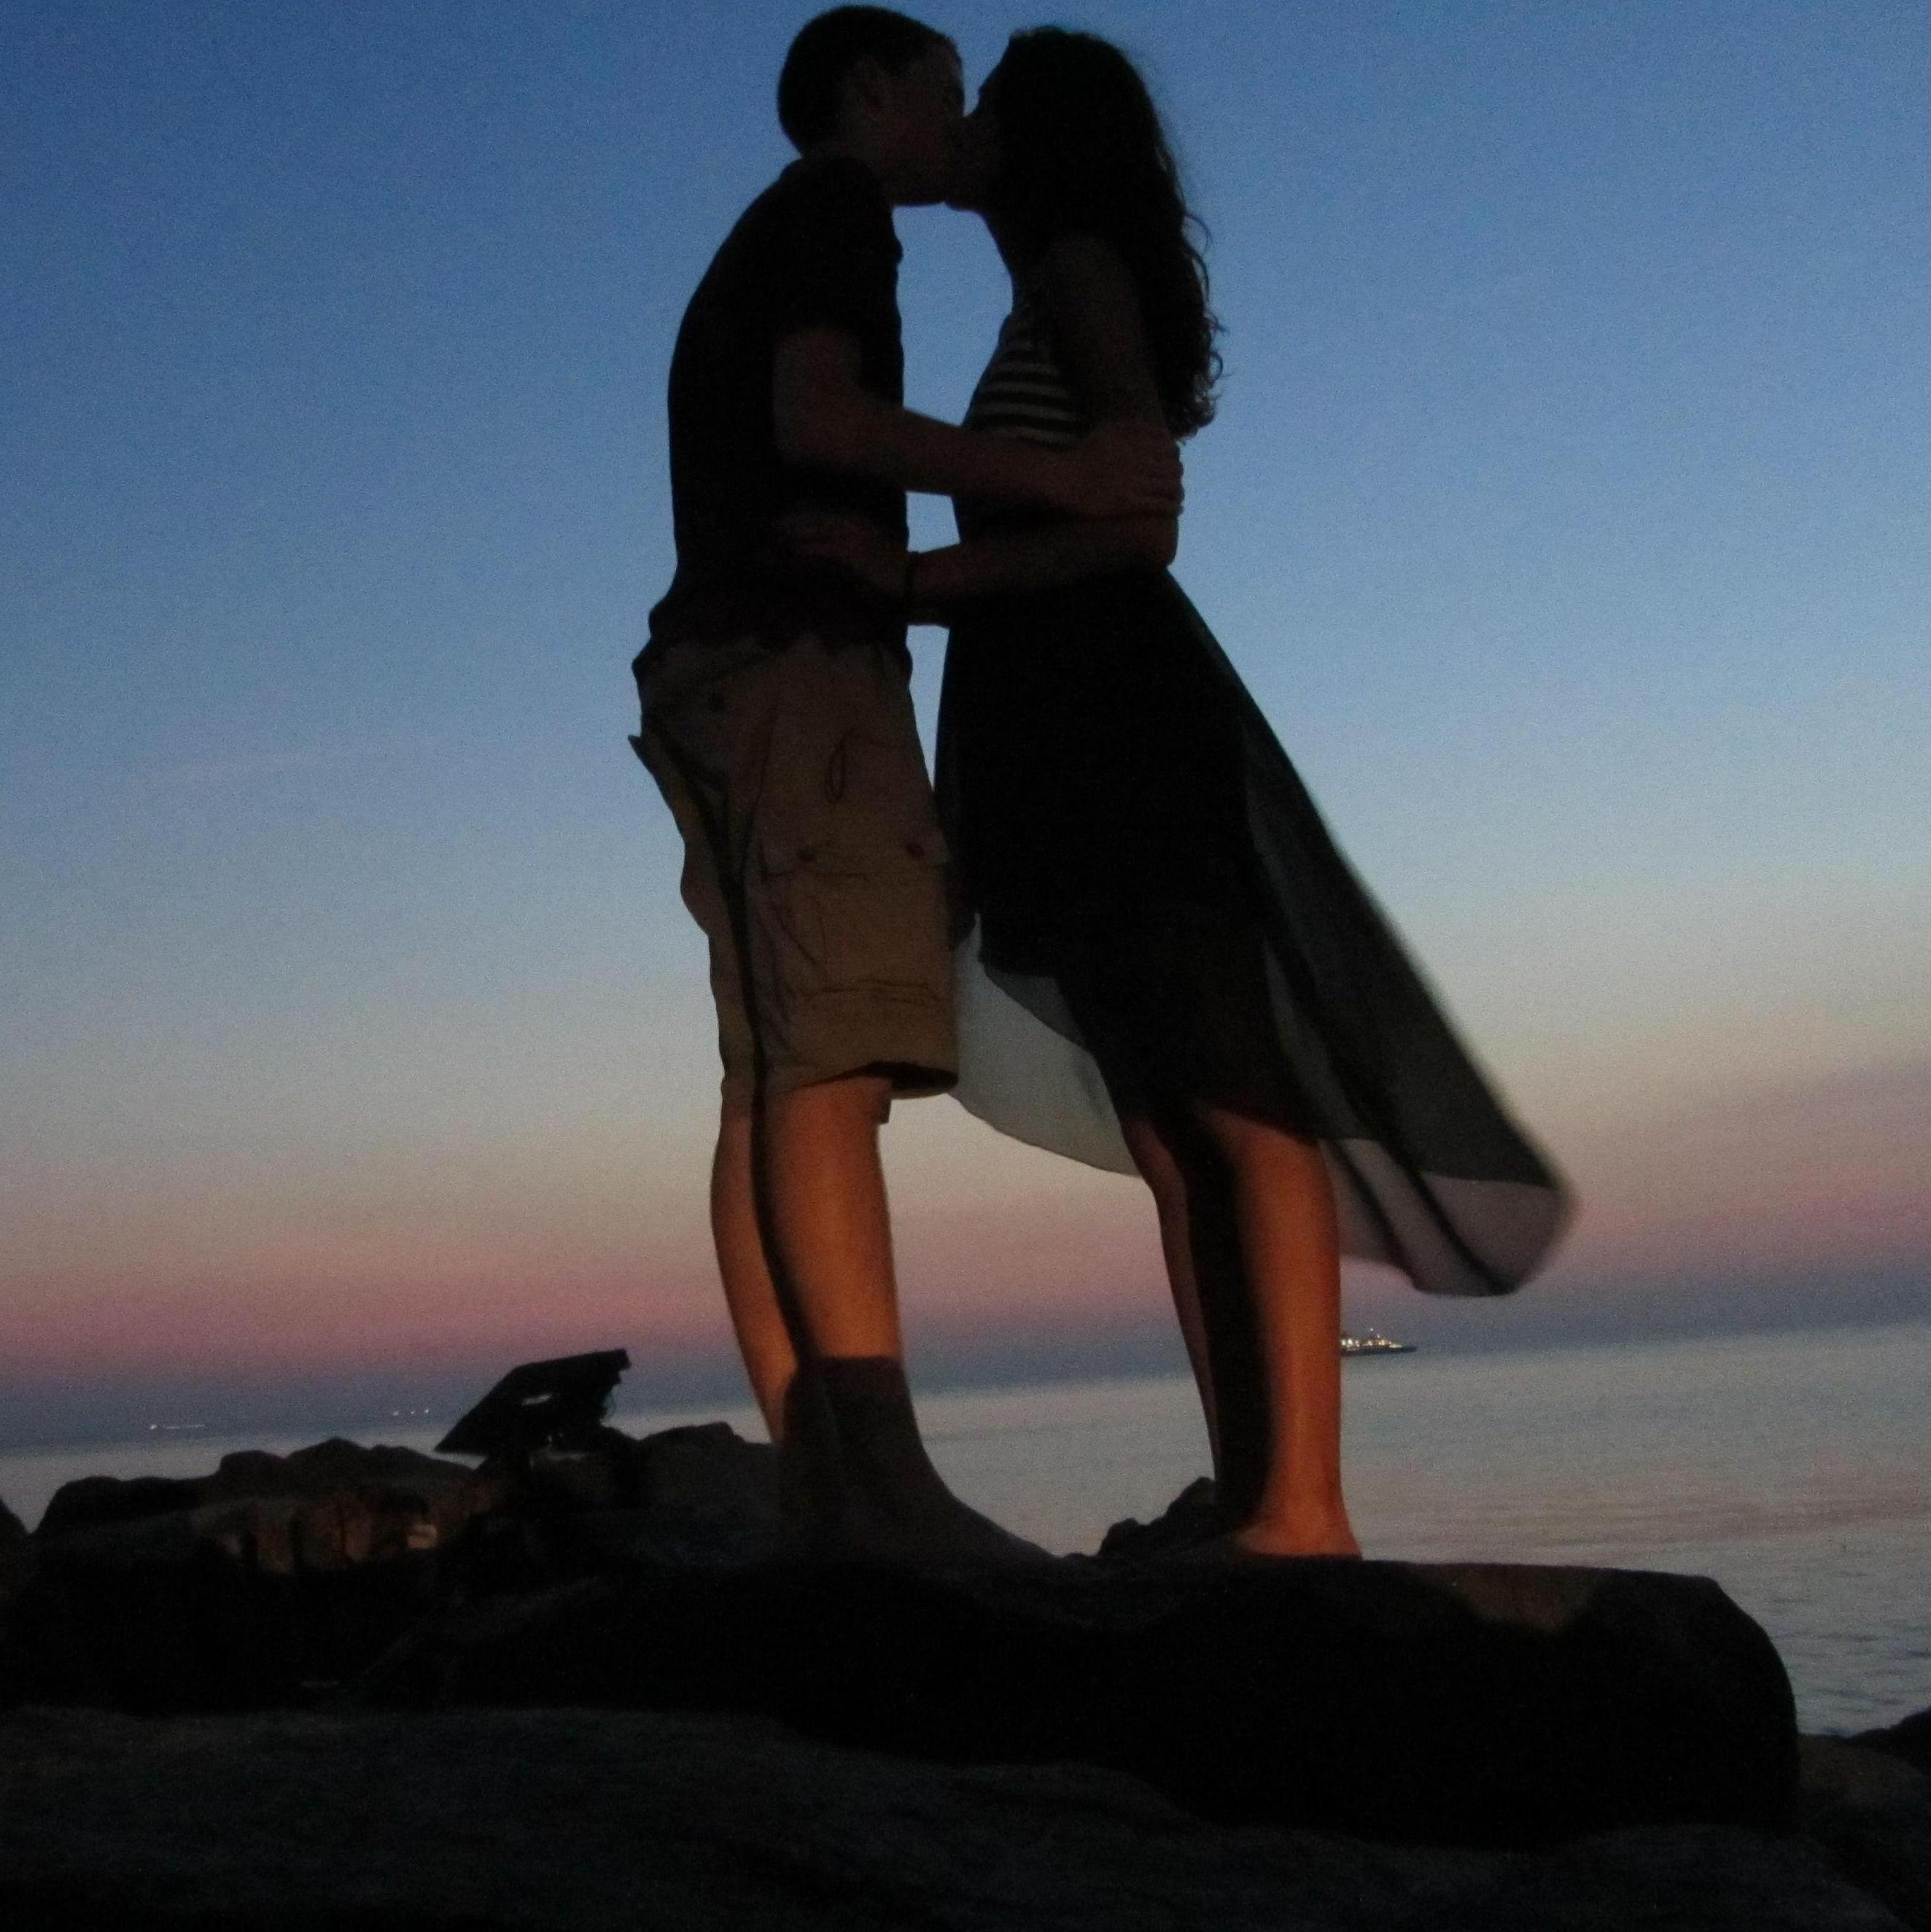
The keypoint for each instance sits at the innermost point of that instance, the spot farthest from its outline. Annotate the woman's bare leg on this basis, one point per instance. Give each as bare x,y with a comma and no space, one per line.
1284,1209
1166,1179
1206,1272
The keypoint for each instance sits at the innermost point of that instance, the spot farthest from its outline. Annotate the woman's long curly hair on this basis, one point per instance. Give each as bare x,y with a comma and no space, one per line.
1081,150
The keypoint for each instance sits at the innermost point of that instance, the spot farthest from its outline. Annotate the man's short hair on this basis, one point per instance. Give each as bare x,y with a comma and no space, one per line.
828,48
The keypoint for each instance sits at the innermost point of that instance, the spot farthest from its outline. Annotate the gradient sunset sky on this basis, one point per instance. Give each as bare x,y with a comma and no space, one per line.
1568,514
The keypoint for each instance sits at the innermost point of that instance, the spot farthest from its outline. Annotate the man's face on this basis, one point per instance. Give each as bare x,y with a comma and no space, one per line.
921,120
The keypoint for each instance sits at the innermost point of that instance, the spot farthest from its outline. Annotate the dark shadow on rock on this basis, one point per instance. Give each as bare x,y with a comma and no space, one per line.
1473,1704
567,1819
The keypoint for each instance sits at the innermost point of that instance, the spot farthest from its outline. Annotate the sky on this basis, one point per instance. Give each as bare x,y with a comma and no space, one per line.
1566,513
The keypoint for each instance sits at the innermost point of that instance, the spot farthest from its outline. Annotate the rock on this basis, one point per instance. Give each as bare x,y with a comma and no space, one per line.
278,1576
238,1589
1835,1770
13,1551
94,1502
1471,1704
444,1491
1455,1704
566,1819
16,1557
329,1467
699,1494
1192,1516
1870,1811
1910,1740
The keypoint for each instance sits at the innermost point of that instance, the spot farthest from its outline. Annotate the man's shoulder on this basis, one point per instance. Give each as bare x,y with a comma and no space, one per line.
820,237
826,200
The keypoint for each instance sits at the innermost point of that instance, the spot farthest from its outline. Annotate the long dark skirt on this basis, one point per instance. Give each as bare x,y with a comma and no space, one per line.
1142,860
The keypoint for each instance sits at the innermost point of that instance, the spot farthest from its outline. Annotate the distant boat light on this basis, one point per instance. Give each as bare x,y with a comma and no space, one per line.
1374,1343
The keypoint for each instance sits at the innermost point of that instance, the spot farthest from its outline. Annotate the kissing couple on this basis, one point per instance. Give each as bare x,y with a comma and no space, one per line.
1120,929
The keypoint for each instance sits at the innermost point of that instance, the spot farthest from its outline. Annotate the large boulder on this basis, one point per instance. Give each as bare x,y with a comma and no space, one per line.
1458,1704
496,1821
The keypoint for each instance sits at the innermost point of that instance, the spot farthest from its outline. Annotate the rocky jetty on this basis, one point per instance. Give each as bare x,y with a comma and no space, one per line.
581,1686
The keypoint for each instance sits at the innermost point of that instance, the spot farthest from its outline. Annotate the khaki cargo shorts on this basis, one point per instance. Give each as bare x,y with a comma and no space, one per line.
813,859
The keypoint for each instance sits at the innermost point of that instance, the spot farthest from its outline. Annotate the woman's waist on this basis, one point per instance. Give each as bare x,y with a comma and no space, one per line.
1133,599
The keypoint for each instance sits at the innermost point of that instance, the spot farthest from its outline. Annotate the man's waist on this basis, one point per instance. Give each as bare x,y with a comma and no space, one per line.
777,608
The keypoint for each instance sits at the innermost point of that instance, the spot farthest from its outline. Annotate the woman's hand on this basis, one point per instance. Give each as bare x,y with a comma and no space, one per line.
855,544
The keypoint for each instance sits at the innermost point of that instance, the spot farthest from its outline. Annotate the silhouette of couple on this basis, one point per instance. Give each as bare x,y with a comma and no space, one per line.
1119,929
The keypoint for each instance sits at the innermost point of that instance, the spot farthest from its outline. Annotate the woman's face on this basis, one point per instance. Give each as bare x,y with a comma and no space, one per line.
978,154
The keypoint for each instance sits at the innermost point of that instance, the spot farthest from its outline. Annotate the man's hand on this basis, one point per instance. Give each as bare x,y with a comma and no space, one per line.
1123,469
855,544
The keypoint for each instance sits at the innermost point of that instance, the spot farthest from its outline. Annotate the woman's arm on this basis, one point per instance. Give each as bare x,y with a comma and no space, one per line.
1093,312
824,417
938,580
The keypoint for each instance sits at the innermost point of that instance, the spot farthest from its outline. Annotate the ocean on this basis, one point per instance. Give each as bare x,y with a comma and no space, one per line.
1795,1469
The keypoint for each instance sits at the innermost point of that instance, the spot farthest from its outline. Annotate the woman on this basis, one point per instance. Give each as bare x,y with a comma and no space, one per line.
1151,881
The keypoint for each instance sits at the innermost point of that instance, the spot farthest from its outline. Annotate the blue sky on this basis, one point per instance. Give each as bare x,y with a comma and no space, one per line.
1566,512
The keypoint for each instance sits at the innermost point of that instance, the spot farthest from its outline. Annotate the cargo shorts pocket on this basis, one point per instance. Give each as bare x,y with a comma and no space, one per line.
856,902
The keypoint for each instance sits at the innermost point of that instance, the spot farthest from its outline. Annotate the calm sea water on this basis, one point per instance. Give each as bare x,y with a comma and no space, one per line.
1795,1468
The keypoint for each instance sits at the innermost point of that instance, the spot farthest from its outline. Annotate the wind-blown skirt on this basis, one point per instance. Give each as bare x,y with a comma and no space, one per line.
1104,774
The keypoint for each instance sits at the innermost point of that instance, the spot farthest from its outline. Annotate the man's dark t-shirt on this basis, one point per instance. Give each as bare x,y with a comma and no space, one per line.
817,250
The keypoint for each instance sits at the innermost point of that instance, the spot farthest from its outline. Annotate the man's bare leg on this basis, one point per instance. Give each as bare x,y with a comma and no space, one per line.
820,1332
795,1415
763,1339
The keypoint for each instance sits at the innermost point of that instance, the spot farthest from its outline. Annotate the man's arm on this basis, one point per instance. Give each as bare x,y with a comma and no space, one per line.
1090,300
825,418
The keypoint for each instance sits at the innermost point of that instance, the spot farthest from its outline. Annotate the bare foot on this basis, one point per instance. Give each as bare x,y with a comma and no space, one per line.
1293,1536
929,1530
943,1532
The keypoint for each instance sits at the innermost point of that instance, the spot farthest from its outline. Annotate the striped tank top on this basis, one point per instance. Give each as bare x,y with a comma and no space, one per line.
1023,393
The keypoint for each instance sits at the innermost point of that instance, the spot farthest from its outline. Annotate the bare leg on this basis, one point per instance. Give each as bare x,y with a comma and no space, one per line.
1284,1209
763,1339
821,1262
821,1188
1160,1169
796,1417
1206,1274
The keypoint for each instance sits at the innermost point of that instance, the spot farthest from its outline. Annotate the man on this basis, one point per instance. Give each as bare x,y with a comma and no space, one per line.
777,722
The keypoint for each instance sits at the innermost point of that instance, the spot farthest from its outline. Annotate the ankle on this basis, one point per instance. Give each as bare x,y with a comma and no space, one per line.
882,1457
